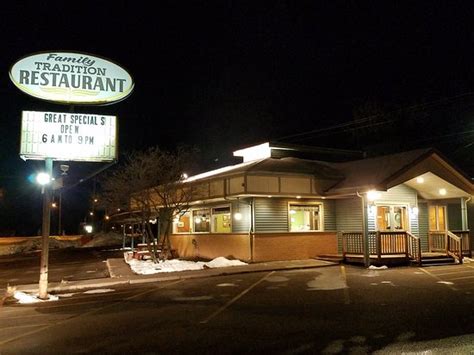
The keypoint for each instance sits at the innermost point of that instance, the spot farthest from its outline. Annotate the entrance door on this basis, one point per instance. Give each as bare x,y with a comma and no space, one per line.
437,215
392,218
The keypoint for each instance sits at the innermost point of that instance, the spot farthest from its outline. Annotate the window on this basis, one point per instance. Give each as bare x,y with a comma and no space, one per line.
182,223
437,216
221,221
202,220
305,218
392,218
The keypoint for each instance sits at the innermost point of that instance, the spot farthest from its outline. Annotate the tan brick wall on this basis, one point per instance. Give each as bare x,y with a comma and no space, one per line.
267,247
210,246
293,246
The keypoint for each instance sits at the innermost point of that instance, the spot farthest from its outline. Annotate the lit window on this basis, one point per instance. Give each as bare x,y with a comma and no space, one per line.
202,220
221,220
305,218
182,223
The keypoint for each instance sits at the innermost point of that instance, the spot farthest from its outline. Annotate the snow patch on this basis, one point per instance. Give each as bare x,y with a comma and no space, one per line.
25,298
100,290
373,267
445,282
327,281
147,267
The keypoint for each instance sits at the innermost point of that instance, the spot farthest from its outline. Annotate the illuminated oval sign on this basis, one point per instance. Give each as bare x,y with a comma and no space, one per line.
71,78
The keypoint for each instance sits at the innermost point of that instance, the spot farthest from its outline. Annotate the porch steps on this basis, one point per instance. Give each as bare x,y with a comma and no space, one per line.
437,260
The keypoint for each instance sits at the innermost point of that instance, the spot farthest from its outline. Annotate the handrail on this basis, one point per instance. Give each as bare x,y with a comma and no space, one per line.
454,246
414,247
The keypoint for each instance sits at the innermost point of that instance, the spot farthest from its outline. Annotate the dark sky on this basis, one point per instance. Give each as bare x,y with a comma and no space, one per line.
225,74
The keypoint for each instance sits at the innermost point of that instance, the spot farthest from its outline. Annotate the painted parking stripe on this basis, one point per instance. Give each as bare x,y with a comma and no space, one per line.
109,305
235,299
440,280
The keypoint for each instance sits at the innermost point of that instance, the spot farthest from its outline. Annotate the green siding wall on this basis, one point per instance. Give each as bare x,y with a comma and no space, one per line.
349,215
271,215
454,216
423,225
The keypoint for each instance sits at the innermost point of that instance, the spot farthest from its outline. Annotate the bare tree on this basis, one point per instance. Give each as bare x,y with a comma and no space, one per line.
151,184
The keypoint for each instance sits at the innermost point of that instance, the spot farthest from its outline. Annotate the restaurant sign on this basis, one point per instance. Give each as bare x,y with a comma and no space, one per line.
68,136
71,78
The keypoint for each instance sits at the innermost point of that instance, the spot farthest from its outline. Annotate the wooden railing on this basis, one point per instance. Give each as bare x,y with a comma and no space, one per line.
438,241
352,243
466,242
414,247
380,244
455,244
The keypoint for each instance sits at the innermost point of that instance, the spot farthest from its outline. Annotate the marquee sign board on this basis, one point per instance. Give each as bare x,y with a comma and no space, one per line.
68,136
72,78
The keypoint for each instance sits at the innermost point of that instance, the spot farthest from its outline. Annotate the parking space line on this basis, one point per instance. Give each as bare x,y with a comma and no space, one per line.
347,297
233,300
453,273
463,278
438,278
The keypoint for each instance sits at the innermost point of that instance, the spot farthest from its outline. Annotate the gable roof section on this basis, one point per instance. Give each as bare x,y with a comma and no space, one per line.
384,172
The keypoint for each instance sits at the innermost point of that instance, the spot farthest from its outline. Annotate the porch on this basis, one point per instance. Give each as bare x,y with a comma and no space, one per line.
404,247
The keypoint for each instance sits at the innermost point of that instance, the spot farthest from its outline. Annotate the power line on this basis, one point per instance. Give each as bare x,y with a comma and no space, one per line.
374,116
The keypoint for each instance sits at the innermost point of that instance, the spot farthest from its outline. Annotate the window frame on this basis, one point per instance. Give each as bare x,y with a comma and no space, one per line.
391,208
191,211
319,204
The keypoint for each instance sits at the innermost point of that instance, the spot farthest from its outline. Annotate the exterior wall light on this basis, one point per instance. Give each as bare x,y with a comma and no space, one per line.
420,180
238,216
442,191
373,195
88,228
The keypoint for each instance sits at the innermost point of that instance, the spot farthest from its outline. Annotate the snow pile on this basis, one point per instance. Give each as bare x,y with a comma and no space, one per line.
373,267
104,240
147,267
25,298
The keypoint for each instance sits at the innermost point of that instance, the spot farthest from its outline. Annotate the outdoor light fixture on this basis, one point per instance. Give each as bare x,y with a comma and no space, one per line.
373,195
237,214
298,197
43,179
88,228
442,191
184,176
107,217
420,180
415,211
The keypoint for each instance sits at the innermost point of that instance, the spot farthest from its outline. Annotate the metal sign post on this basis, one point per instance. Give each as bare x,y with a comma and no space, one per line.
45,231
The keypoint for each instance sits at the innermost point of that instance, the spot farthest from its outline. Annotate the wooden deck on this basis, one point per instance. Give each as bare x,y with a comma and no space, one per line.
402,247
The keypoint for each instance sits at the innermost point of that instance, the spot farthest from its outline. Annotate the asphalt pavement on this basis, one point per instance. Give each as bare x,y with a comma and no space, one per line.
327,310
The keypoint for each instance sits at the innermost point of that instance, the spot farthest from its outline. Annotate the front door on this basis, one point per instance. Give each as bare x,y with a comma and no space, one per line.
392,218
437,215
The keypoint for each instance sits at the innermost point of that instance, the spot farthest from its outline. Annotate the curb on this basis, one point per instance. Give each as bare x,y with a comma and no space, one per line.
183,275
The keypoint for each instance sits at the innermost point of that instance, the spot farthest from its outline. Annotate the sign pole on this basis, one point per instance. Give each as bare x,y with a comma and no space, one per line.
45,231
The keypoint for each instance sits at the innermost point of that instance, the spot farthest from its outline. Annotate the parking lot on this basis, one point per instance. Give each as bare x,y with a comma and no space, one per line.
337,309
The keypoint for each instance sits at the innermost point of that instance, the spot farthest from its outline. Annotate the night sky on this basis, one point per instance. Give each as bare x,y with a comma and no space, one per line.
380,76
